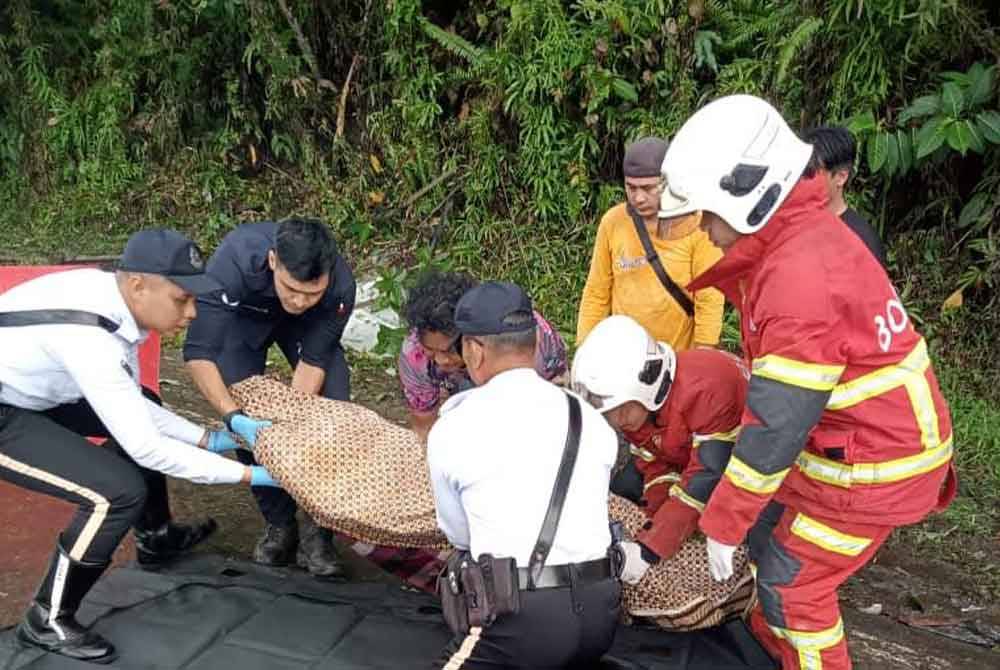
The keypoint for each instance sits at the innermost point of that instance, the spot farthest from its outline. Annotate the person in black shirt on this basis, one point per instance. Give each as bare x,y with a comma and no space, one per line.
283,283
833,157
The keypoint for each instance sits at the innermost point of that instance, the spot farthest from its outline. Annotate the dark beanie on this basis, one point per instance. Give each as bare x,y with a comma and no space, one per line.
644,157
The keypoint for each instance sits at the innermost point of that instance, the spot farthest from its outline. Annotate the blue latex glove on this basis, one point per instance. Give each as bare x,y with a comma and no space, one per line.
245,427
259,476
221,440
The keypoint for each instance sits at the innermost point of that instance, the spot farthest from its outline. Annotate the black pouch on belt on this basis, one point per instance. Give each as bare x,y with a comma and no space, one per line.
502,588
452,592
474,593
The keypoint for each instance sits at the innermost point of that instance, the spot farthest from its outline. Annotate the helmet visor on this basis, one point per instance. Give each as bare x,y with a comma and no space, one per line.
673,203
602,403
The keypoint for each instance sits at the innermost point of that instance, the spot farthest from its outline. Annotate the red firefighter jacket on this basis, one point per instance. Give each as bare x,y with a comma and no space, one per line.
682,450
844,418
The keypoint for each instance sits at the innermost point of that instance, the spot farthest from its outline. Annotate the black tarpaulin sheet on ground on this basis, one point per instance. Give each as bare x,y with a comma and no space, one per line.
208,612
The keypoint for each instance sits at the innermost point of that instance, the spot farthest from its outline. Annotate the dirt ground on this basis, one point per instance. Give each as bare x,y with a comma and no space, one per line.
908,610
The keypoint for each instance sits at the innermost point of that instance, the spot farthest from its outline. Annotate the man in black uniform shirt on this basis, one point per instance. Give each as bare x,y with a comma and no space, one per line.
833,155
283,283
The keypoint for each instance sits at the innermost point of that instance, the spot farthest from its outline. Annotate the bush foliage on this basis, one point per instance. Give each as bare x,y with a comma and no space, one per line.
489,135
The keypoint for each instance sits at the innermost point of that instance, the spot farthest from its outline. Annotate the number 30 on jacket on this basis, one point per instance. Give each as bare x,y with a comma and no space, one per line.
893,322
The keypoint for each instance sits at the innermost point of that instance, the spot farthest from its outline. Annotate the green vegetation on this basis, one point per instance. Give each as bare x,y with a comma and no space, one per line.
488,135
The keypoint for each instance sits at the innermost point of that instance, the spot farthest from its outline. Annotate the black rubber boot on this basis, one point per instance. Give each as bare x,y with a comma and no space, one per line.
50,622
159,545
277,545
317,553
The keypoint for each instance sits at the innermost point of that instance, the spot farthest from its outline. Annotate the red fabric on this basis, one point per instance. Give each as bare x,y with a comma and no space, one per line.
672,524
149,351
809,290
707,396
657,494
808,603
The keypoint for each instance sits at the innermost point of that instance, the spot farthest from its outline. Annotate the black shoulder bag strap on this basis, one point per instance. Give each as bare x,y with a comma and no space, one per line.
544,543
48,317
653,258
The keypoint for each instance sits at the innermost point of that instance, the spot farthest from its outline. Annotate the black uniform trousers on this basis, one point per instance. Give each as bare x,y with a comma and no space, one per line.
48,453
567,627
240,360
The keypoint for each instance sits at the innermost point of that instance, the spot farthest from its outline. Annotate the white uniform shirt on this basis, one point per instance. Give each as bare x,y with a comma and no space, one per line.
493,456
44,366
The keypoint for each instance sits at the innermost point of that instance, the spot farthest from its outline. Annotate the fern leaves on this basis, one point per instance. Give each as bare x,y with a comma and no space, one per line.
796,43
454,44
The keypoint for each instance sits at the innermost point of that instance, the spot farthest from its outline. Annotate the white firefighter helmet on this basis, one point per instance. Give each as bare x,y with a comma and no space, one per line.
619,362
737,158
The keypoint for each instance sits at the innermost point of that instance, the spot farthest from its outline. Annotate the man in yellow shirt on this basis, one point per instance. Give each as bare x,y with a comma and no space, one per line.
623,281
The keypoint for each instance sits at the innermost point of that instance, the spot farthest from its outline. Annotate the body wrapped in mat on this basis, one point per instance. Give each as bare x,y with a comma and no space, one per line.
366,477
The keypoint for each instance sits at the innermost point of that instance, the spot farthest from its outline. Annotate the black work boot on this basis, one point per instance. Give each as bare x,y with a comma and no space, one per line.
277,545
316,551
50,622
155,546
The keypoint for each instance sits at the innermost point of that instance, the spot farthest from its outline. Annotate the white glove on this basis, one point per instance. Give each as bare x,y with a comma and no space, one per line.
633,565
720,559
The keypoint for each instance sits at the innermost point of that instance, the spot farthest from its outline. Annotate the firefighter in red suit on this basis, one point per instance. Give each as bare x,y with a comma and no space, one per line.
845,434
682,421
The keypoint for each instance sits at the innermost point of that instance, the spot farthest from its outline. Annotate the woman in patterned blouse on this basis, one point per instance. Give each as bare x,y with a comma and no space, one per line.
430,363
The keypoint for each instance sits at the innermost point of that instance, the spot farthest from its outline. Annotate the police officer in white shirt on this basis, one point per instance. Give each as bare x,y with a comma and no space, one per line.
75,335
493,456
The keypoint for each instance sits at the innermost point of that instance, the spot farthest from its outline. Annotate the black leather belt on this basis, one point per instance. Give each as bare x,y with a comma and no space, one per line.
555,576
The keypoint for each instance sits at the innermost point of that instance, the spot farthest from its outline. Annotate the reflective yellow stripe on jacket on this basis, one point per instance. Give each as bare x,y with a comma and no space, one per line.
847,475
644,454
728,436
804,375
677,492
911,372
669,478
749,479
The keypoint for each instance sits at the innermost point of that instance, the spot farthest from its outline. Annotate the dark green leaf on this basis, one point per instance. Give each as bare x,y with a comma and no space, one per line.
929,138
960,78
892,153
625,90
923,106
958,138
878,150
981,83
972,210
976,142
952,100
905,151
862,122
989,125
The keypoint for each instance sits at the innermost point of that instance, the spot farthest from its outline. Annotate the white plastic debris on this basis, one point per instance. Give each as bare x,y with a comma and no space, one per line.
361,333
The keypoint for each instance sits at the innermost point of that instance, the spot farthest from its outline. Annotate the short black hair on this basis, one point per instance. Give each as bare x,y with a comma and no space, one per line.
520,341
833,148
430,305
305,248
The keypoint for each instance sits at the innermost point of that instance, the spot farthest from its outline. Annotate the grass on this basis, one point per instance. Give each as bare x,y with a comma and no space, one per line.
964,535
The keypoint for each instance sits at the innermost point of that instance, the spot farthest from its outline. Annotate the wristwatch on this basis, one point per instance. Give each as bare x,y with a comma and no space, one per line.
228,419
